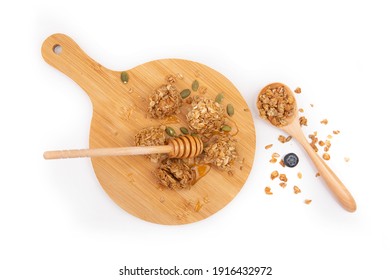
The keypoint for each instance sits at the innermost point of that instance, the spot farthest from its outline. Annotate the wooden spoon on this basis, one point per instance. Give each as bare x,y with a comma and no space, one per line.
293,128
180,147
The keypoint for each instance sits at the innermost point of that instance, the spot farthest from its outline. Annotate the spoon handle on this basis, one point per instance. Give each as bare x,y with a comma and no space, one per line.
334,183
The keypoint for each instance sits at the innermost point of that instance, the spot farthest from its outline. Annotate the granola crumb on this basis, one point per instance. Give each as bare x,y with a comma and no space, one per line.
273,160
171,79
198,206
329,136
308,201
282,139
274,174
299,175
303,121
318,174
298,90
324,121
297,190
283,177
301,110
281,162
283,184
267,191
346,159
179,76
335,132
326,156
269,146
276,155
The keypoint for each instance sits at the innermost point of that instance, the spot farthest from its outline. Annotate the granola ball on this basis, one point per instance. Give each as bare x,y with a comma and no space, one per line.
175,174
221,152
164,102
151,136
206,116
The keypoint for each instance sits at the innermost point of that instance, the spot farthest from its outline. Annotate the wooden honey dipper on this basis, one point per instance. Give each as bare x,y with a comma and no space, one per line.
179,147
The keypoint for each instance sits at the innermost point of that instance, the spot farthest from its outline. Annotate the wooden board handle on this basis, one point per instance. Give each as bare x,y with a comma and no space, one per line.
61,52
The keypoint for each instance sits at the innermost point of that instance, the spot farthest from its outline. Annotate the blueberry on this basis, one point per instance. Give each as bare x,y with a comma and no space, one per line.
291,160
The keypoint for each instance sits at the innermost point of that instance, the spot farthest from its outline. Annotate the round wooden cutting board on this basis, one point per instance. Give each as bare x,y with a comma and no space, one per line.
119,112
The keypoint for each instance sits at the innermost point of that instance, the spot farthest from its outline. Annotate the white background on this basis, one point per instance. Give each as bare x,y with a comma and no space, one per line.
57,222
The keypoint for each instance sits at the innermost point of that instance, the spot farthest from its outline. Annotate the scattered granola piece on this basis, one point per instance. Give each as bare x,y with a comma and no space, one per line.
298,90
282,163
267,190
329,136
346,159
297,190
273,160
303,121
301,110
276,105
171,79
198,206
321,143
314,141
275,155
335,132
268,146
283,177
326,156
307,201
282,139
274,174
288,138
324,121
283,184
299,175
318,174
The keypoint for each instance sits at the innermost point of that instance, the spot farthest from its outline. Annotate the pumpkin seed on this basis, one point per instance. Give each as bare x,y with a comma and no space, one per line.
124,77
230,110
195,85
185,93
184,130
219,98
170,131
226,128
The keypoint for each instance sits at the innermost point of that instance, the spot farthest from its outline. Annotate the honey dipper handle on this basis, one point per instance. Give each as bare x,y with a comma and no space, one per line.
141,150
334,183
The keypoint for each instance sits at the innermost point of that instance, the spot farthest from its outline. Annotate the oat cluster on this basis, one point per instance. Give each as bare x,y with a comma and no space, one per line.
221,151
151,136
276,105
206,116
164,102
175,174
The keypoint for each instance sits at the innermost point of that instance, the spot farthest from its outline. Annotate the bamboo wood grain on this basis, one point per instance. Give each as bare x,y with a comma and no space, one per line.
119,113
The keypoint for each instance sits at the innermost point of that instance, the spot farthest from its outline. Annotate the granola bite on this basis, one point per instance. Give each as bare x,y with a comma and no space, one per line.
276,105
175,174
206,116
221,152
151,136
164,102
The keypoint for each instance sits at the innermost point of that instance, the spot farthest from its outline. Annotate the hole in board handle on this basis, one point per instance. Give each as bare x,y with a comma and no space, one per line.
57,49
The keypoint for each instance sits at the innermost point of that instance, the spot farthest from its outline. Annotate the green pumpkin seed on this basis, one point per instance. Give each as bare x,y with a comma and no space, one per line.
230,110
185,93
170,131
226,128
195,85
124,77
184,130
219,98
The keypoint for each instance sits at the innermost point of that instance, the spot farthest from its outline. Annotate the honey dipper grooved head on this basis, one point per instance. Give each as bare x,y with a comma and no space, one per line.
185,146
